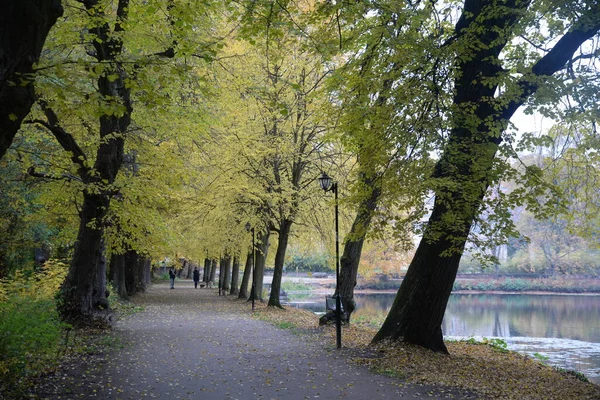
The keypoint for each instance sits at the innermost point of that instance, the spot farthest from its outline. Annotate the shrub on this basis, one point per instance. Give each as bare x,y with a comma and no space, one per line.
30,330
30,334
515,285
377,284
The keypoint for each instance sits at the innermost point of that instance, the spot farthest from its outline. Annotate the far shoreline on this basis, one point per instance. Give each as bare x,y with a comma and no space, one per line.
502,285
389,291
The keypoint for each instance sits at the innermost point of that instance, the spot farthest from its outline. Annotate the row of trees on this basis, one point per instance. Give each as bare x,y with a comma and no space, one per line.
164,128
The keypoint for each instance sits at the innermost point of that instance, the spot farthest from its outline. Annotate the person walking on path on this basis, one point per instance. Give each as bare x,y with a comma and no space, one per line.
196,277
172,277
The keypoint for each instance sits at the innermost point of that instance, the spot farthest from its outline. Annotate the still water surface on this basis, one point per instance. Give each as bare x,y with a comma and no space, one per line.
564,328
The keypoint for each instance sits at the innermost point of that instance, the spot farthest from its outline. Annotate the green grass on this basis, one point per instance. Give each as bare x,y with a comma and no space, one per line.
369,320
295,286
285,325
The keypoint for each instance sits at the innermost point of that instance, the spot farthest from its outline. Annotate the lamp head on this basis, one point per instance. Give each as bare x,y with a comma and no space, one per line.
248,226
326,182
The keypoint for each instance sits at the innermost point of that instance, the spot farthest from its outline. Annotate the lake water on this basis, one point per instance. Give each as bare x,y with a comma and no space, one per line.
564,328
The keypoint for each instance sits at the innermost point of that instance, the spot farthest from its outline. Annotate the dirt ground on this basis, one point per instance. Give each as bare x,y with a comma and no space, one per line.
190,343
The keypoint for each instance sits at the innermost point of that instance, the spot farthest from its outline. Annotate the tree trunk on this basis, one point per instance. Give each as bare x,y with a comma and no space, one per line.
418,309
235,276
117,275
465,167
206,271
77,293
100,293
227,272
262,250
187,269
24,26
221,274
246,278
282,241
134,272
213,270
145,264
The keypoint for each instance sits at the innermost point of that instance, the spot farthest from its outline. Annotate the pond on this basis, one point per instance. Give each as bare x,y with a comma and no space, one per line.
563,328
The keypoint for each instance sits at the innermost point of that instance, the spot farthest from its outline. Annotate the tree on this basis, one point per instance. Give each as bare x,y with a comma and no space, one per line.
386,122
24,25
84,291
486,95
286,84
562,243
106,58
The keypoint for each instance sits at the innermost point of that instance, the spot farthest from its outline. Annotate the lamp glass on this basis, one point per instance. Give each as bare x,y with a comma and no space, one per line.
325,181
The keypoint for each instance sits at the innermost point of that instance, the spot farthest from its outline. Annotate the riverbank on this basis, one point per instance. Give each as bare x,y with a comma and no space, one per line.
487,369
467,283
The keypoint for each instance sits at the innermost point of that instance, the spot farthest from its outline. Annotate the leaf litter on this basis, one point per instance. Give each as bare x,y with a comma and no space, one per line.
491,372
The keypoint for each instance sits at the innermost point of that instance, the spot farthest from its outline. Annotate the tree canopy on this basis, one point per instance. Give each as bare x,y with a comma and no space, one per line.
160,129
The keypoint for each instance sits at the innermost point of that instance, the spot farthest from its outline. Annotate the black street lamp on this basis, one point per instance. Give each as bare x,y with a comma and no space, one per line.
327,184
253,293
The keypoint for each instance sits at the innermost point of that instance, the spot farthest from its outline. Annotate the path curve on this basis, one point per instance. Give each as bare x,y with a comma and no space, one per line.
192,344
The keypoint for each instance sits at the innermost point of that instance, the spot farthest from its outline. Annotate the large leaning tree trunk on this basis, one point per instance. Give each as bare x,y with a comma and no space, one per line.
24,26
464,169
282,242
80,300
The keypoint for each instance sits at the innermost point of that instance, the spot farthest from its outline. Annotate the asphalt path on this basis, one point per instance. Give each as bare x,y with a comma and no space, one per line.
193,344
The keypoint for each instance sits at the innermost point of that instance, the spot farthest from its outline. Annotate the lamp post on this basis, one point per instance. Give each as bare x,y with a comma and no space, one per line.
327,184
252,293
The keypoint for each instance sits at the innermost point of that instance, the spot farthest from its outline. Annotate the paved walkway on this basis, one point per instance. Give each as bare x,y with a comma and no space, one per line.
192,344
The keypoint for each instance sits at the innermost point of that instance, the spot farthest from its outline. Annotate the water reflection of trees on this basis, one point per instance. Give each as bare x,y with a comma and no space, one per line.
558,316
574,317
